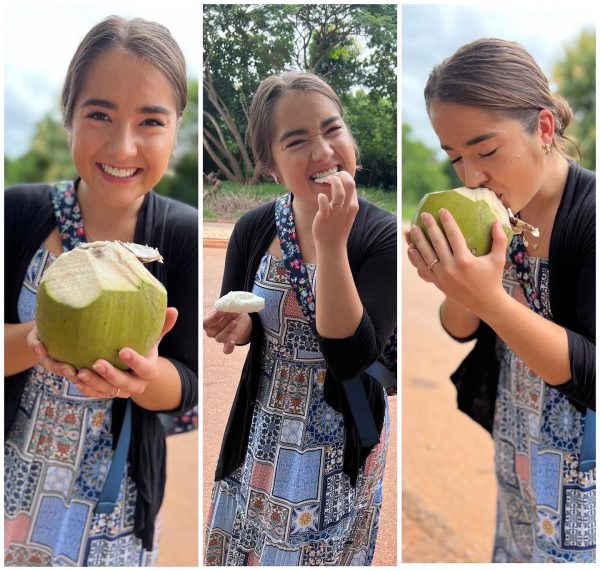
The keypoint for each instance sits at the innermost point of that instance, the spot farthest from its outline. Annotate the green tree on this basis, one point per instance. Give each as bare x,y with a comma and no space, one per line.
373,121
245,43
421,171
575,75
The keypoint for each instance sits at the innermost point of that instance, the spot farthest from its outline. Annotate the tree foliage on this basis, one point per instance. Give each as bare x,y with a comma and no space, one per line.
375,133
575,75
421,171
49,156
348,45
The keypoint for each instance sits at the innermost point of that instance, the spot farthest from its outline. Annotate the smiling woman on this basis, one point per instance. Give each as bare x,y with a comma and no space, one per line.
123,99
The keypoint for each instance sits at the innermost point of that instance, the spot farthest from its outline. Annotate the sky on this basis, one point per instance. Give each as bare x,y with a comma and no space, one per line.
431,33
41,37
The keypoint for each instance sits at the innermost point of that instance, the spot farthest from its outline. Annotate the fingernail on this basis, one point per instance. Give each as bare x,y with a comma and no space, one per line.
443,212
125,354
84,376
99,368
425,217
38,349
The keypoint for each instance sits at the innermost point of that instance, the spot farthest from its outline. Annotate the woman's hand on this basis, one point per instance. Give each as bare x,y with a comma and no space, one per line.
333,221
231,329
106,381
473,282
55,367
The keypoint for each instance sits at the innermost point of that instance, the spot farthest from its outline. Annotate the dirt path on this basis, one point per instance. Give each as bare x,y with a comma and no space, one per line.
221,374
448,483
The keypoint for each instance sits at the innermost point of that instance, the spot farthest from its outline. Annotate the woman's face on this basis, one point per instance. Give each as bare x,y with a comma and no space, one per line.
124,128
310,138
490,150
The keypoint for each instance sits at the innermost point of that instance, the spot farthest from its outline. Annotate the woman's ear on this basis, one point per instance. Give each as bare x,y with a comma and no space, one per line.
546,127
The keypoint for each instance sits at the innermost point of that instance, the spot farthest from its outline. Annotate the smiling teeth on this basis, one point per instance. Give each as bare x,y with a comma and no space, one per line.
120,173
321,176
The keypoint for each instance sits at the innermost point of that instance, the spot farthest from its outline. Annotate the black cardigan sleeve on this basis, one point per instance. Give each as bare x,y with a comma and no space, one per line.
576,281
172,227
373,253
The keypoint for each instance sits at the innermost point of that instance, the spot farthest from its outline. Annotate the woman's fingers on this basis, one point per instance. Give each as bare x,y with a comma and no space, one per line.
437,239
454,234
216,321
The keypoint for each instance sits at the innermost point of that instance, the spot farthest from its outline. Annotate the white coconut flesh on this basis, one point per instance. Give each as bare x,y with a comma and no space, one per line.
95,300
240,302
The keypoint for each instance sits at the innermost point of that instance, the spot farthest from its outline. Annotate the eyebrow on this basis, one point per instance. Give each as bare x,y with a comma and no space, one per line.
473,141
146,109
295,132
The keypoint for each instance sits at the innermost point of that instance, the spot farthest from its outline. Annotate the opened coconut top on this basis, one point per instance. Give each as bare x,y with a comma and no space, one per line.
517,225
77,278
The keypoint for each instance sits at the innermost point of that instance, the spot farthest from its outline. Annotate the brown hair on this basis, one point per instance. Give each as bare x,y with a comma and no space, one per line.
500,76
149,41
260,119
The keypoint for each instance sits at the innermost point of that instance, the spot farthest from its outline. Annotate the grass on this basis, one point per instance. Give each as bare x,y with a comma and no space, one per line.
232,199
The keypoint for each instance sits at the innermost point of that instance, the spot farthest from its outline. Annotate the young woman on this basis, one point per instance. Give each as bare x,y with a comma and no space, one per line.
530,379
298,481
123,100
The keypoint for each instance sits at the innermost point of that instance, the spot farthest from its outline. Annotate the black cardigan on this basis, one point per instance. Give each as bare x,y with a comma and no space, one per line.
372,253
572,285
162,223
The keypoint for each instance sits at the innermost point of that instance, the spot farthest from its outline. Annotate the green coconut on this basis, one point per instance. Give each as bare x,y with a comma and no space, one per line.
475,211
97,299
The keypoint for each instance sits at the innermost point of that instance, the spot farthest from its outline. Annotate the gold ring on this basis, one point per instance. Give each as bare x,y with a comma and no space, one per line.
116,394
336,204
430,266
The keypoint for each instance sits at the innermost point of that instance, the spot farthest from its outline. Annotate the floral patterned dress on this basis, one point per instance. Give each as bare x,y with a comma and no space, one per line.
290,503
56,458
546,505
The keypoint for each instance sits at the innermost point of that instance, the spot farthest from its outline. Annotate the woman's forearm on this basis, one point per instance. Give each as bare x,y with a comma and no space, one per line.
541,344
18,356
458,320
163,393
338,306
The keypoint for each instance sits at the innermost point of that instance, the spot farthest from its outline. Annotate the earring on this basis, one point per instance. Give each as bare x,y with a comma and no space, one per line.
547,148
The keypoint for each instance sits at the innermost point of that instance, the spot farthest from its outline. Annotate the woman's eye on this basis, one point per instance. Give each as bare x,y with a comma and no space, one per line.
153,123
295,143
333,129
98,116
454,161
488,155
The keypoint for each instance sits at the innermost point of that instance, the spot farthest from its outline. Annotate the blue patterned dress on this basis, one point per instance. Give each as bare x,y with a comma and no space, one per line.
289,503
56,458
546,506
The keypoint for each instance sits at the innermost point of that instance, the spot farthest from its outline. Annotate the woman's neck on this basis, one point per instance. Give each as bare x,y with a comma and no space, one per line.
102,222
551,190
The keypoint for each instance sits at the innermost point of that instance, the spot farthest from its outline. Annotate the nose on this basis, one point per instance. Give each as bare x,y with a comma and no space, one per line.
122,142
473,176
321,149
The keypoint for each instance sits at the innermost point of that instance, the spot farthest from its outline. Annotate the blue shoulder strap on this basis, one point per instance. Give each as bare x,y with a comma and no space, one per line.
110,491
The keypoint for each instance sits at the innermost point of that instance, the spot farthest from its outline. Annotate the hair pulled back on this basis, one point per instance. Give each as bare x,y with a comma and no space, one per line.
150,41
500,76
260,119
